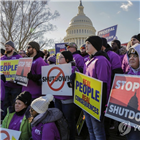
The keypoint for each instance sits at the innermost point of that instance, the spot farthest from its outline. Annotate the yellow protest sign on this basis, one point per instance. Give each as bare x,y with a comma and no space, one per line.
88,94
9,68
57,58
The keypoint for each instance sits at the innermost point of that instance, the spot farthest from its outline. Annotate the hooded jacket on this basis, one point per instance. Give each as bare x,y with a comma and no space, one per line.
45,128
133,71
25,126
35,75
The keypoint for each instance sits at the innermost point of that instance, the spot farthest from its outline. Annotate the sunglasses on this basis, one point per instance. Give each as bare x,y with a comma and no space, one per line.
28,47
82,48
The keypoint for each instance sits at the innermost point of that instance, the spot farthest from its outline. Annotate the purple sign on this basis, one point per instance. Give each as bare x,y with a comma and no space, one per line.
60,47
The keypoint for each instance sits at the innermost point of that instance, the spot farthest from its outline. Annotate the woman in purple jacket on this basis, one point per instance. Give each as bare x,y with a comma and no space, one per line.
134,62
43,119
65,103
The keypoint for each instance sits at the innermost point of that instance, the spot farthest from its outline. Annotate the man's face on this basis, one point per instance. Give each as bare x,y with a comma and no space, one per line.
89,48
30,50
114,46
83,50
8,49
134,41
71,49
22,53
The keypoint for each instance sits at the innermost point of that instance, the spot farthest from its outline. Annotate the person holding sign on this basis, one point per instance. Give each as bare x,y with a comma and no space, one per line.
16,118
65,103
134,62
97,67
11,89
34,76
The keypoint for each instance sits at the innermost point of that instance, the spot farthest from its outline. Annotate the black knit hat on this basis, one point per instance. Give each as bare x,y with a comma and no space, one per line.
118,43
96,41
137,37
104,42
67,55
34,45
10,43
25,97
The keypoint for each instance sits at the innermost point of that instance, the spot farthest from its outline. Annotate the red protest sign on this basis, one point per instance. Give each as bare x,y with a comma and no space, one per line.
124,101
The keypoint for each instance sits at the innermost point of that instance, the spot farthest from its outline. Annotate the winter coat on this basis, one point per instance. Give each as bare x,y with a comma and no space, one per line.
25,126
33,84
78,60
125,65
99,67
45,128
13,57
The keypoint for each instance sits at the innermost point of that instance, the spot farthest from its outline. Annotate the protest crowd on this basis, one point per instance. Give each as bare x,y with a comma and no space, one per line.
45,116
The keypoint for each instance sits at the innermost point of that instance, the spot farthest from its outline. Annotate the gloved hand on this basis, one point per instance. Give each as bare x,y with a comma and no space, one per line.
29,75
71,82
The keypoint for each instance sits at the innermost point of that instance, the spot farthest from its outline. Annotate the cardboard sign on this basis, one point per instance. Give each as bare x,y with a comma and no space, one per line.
88,94
8,134
124,101
9,68
60,47
108,33
24,67
55,78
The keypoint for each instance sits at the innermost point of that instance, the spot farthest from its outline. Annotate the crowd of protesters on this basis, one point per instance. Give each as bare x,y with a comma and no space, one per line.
25,109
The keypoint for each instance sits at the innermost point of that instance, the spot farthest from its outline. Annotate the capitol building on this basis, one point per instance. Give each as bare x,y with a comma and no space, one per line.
80,27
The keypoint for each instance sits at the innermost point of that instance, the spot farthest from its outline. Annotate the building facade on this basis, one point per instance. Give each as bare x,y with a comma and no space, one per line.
80,27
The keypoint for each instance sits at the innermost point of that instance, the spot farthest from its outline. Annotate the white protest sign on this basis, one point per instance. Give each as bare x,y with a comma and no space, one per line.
8,134
55,78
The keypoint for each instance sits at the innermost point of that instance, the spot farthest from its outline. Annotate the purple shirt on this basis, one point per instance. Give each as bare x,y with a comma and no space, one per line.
32,87
114,60
100,68
79,60
86,58
46,131
13,57
16,122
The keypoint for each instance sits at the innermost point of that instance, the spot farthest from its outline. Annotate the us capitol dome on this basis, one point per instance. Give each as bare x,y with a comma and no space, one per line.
80,27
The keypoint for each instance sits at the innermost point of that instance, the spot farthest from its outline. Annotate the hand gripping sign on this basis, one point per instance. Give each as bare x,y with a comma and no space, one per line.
55,78
124,101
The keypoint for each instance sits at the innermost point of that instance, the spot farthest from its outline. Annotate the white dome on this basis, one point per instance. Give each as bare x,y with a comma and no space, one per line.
80,27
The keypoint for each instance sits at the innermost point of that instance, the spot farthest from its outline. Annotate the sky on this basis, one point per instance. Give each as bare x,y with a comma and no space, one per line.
103,14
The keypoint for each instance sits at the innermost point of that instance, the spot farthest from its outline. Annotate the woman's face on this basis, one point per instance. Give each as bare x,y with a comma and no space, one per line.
33,113
19,105
134,61
89,48
62,59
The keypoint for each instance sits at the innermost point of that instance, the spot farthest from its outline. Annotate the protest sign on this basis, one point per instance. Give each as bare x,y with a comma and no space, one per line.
51,51
9,68
8,134
55,78
60,47
124,101
108,33
88,94
23,69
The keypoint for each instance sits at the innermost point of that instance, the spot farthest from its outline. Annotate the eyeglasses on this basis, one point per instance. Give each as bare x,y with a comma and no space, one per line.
61,57
28,47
